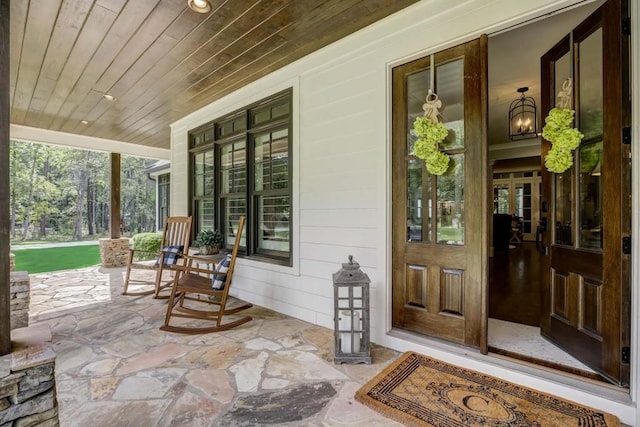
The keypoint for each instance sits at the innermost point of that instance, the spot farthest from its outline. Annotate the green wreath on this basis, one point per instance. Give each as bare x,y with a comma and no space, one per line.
430,134
563,137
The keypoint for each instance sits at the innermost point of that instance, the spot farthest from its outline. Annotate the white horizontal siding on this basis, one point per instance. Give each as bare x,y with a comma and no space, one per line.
338,199
341,237
341,155
366,257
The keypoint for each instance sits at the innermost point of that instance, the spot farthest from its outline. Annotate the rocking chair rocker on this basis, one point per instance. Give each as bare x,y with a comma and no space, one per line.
212,289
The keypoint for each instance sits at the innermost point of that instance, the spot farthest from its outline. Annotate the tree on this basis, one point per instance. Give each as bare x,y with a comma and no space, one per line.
137,194
66,190
35,148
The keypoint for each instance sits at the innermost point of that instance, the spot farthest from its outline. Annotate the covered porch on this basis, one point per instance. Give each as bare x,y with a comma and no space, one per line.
114,365
186,93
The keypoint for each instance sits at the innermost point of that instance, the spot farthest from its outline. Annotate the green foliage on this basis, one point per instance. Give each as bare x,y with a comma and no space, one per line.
559,118
208,238
55,259
430,135
437,163
64,193
564,138
558,160
148,242
431,132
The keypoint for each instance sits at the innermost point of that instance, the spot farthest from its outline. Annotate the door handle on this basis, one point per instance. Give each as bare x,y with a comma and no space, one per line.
541,228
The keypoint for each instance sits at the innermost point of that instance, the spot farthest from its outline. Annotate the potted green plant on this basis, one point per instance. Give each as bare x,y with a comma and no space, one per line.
209,241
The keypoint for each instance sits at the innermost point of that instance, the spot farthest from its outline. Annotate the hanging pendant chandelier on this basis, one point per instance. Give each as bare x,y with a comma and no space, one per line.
523,119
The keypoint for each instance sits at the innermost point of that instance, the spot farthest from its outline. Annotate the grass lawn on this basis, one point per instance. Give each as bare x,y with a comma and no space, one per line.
54,259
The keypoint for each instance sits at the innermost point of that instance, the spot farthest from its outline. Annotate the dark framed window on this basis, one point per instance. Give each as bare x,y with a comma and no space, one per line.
163,198
241,165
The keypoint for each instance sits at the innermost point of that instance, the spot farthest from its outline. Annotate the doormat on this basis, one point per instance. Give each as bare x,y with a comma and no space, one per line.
419,391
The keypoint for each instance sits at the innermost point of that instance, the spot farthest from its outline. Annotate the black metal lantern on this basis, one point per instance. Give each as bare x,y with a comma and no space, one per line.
351,314
523,120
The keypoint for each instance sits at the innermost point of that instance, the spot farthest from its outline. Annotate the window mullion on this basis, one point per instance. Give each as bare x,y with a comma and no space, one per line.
250,188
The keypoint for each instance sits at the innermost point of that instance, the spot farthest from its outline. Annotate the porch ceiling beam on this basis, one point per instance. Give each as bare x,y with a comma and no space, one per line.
44,136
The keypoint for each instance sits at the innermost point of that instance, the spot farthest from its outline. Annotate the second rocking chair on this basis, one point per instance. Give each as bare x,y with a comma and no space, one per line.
191,288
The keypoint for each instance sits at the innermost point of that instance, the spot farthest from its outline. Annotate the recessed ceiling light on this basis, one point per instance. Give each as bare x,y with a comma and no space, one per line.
200,6
84,122
108,97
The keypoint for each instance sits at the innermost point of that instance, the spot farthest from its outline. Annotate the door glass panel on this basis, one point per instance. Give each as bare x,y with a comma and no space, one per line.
414,200
563,195
590,195
561,72
417,89
591,86
450,208
418,202
523,205
563,191
450,90
501,198
418,180
590,151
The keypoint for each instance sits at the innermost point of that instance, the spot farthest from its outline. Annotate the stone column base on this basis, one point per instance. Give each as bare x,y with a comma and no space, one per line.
114,252
27,380
19,298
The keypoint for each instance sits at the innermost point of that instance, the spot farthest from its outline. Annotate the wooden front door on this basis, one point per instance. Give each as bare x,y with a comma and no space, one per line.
586,209
440,222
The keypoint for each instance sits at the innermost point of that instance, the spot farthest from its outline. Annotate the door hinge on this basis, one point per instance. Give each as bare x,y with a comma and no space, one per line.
626,245
626,135
626,26
626,355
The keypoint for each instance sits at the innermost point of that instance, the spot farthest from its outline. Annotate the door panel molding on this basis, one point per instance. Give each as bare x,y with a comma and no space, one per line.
416,286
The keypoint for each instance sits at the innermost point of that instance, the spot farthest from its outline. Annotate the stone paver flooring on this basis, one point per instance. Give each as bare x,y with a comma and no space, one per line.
116,368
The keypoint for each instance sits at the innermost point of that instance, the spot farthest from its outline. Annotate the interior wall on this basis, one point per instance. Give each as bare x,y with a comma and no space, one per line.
342,179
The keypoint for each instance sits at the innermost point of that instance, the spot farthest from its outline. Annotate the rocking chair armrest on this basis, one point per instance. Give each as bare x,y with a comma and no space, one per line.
203,259
188,267
143,251
184,269
189,259
170,251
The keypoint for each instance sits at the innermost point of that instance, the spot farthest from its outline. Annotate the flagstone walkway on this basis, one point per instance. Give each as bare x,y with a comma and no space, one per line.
116,368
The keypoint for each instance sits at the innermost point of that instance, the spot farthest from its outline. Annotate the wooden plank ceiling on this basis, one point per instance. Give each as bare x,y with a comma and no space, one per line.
158,58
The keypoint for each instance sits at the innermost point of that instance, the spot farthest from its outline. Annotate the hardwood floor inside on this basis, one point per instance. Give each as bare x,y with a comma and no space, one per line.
514,285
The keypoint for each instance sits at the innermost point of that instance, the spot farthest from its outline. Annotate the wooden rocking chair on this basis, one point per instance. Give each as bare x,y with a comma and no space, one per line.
191,285
175,243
